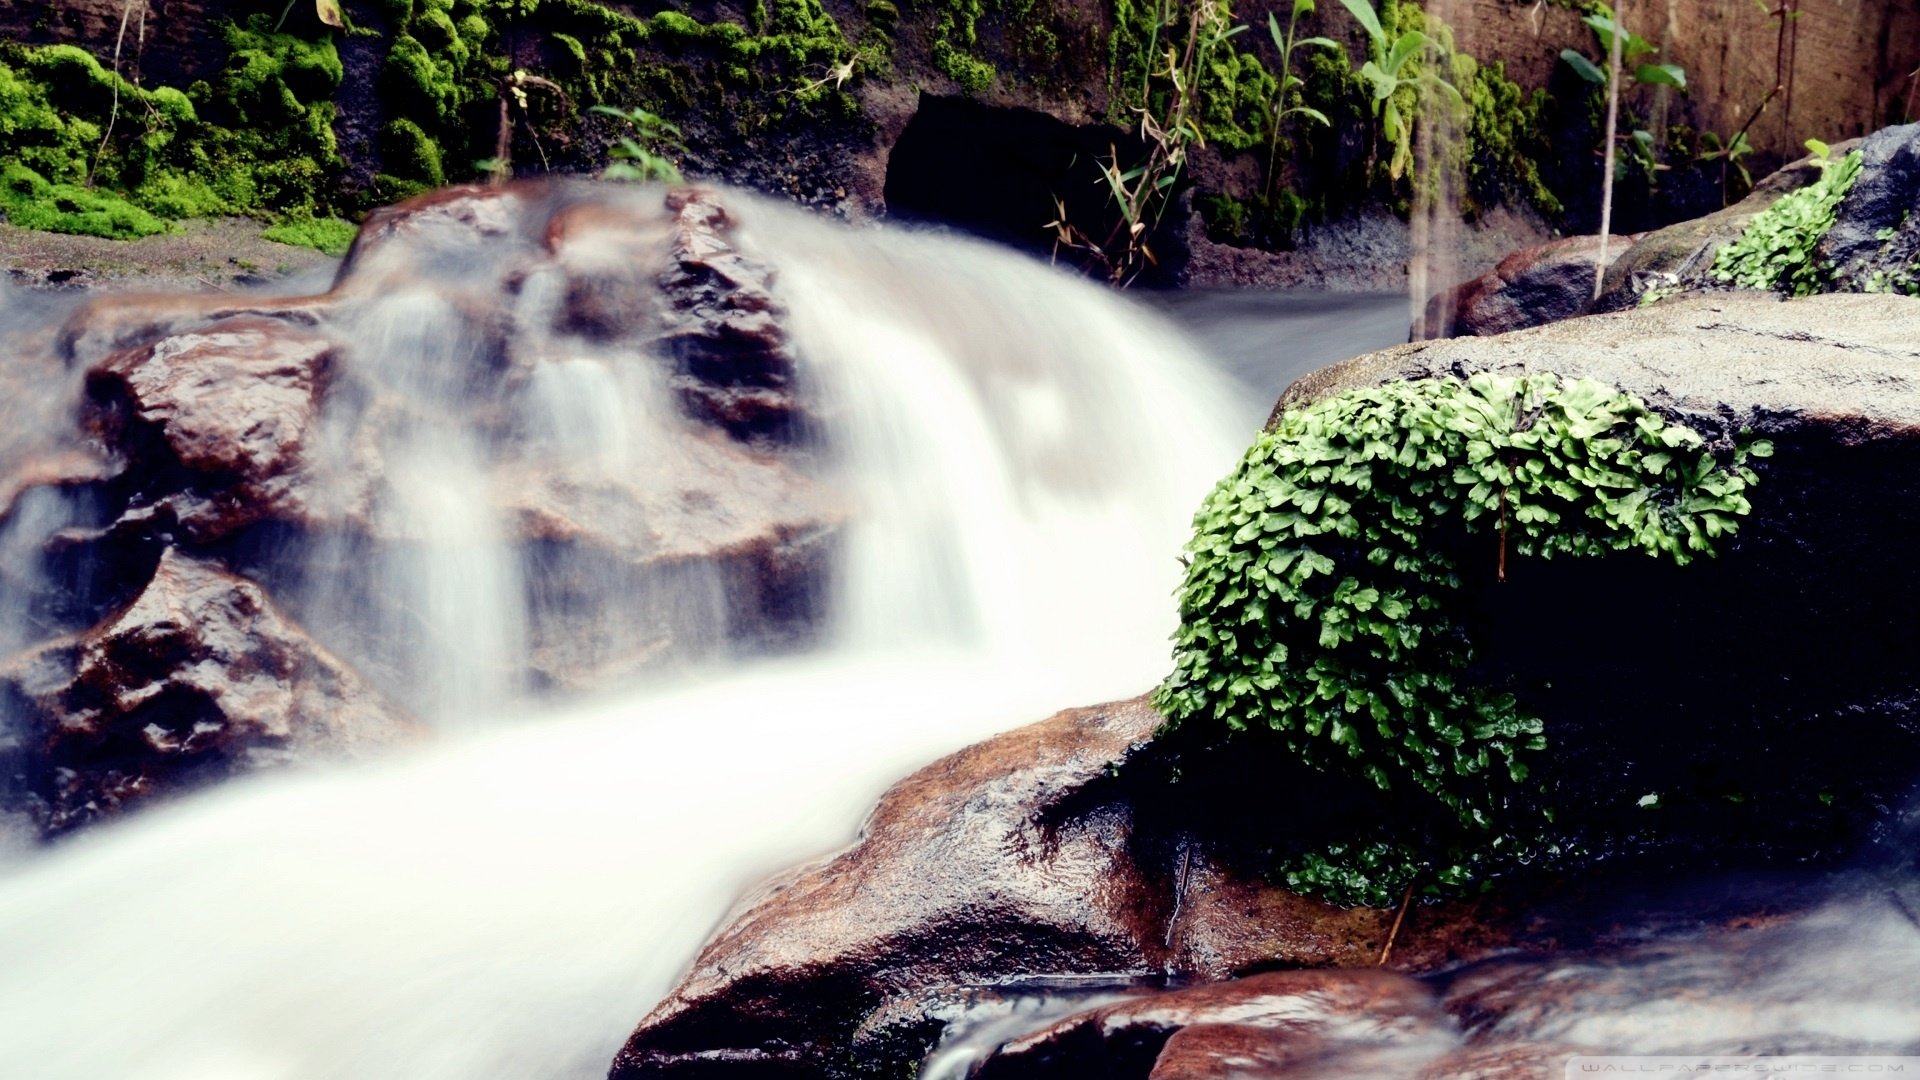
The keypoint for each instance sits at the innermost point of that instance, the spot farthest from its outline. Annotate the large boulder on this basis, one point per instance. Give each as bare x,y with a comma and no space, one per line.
1797,630
1016,856
291,449
1070,848
1029,855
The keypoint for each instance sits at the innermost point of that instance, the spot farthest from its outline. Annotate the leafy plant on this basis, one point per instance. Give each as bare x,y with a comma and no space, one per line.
1605,25
1170,126
642,153
1321,606
1775,251
1621,47
1389,69
1731,154
1286,99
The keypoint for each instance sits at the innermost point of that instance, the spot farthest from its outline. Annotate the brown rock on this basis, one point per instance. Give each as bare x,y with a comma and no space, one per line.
1503,1061
200,676
447,222
959,879
232,405
722,325
1532,286
199,435
1277,1018
1015,858
1223,1051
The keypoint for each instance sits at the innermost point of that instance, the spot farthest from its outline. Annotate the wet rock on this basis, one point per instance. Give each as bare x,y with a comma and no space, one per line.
1661,689
1679,256
1536,285
1221,1051
1017,858
709,530
959,879
274,440
199,677
723,327
1271,1021
230,406
443,226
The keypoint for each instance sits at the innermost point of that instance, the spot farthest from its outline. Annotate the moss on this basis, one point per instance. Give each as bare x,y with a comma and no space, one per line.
411,154
1235,94
955,33
257,139
330,235
1506,137
31,202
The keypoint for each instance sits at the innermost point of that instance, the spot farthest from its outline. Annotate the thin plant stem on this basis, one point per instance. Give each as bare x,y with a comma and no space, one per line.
1606,176
113,115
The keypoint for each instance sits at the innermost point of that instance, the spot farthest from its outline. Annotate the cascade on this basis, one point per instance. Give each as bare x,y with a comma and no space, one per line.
1021,451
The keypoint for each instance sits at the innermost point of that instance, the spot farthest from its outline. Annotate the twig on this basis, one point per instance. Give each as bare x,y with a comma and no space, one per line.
113,115
1406,899
1180,893
1501,569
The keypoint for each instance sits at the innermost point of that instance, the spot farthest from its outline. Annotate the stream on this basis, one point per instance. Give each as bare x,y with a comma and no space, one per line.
504,898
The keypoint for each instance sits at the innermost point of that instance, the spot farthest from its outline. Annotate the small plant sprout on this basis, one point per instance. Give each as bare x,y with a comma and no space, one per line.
1286,99
1141,193
1730,154
641,154
1621,47
837,74
1387,71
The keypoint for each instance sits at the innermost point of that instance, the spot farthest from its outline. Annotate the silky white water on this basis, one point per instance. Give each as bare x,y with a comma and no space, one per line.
1024,451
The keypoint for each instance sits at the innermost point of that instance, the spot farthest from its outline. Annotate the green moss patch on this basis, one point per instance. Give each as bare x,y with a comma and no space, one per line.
329,235
1322,608
96,154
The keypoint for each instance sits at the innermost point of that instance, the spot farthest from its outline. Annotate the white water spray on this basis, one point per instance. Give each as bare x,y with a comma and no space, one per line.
1026,450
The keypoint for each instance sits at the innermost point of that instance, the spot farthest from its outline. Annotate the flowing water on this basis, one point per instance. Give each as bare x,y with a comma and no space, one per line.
1024,451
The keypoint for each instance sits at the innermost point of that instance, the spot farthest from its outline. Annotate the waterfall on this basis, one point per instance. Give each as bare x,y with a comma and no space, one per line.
1024,451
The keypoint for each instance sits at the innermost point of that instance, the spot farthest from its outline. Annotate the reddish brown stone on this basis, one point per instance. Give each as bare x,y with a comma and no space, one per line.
1222,1051
199,676
450,220
957,880
1530,287
231,404
722,325
1272,1019
1503,1061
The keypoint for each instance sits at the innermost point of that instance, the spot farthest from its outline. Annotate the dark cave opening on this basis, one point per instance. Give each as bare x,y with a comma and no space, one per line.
997,172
